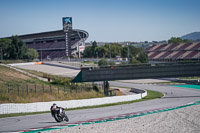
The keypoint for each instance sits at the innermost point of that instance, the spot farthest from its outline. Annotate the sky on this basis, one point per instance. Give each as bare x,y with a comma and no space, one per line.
104,20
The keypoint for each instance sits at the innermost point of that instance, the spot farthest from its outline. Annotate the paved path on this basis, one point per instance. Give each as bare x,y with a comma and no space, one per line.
174,96
53,68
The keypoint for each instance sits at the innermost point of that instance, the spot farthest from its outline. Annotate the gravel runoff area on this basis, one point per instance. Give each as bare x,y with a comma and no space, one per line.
184,120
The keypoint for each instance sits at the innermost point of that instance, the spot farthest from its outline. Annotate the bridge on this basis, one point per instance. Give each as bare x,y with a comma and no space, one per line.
144,71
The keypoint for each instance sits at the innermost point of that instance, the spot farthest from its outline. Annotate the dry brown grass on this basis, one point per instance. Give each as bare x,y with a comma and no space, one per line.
13,79
8,74
44,97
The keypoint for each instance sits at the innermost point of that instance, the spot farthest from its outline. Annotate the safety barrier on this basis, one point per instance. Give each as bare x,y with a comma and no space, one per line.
45,106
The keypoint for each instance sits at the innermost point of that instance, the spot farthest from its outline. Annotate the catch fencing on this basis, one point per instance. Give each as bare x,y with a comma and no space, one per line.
51,89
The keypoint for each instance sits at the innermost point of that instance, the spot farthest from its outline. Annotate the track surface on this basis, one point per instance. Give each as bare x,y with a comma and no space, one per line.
174,96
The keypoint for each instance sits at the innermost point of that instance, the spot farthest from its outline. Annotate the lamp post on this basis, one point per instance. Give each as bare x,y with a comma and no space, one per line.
128,51
110,51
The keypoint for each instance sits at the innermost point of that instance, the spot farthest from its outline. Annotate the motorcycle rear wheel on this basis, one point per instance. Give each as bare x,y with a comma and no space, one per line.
66,118
58,118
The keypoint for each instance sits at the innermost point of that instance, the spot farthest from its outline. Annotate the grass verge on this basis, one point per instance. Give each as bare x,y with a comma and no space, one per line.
188,78
150,95
170,82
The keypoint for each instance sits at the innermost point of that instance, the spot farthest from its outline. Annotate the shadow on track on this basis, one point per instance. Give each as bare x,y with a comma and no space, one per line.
48,122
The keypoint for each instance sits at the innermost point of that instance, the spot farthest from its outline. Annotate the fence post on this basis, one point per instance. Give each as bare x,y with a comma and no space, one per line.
50,89
27,89
35,88
8,88
18,90
70,88
76,88
43,87
64,87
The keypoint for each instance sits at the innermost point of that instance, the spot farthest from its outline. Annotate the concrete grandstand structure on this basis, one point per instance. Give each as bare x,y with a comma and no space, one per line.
52,44
182,51
56,44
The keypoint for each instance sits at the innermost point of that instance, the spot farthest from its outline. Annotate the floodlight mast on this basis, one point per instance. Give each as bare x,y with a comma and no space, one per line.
128,51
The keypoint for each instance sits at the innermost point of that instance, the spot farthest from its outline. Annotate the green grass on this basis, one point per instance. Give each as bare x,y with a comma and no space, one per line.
190,78
150,95
170,82
189,86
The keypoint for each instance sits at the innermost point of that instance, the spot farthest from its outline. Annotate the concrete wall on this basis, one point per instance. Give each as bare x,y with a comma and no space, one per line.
45,106
138,72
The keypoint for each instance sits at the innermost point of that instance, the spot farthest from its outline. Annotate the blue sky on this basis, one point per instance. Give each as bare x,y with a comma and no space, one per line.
105,20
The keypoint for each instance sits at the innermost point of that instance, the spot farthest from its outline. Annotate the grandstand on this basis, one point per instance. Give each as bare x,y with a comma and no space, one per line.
52,44
173,52
60,43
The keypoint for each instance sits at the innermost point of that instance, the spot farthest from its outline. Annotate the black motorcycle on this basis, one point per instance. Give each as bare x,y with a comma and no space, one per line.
59,114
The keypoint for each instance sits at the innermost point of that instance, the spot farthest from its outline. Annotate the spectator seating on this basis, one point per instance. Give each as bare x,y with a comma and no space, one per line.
174,51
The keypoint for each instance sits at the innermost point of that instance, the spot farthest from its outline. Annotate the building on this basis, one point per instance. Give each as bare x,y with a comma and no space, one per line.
173,52
56,44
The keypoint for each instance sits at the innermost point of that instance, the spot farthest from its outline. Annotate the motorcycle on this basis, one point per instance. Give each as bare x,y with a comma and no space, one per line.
59,114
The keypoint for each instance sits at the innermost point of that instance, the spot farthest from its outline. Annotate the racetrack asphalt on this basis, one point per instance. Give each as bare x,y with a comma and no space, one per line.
174,96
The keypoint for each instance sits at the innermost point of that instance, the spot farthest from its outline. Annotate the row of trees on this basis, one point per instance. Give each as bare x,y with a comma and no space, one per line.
14,48
177,40
136,55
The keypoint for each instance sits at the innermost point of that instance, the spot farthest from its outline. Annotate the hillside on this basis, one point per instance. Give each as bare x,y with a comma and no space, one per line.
192,36
16,87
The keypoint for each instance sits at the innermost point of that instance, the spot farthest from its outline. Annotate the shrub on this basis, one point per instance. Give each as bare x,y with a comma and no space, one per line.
103,62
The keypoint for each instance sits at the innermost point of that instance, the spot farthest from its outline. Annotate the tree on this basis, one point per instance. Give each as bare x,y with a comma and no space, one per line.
103,62
143,58
186,40
31,54
115,50
15,48
4,44
102,52
133,60
177,40
87,52
93,49
124,52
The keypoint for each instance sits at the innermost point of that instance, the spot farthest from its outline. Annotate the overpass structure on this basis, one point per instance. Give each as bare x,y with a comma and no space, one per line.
138,72
145,71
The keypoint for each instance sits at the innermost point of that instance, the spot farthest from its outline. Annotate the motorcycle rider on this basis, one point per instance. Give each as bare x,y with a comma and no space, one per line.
54,106
61,114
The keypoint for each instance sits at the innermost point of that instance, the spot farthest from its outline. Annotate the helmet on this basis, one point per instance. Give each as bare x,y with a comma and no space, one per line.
54,104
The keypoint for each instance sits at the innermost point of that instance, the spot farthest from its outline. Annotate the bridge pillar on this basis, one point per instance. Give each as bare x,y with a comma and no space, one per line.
106,87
